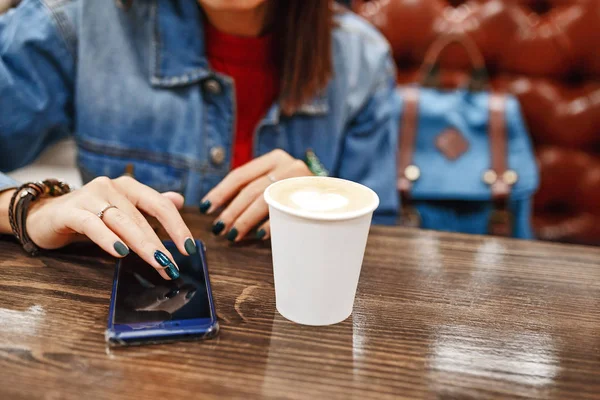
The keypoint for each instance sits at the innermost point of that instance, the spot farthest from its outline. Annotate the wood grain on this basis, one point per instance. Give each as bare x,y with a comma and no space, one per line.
437,316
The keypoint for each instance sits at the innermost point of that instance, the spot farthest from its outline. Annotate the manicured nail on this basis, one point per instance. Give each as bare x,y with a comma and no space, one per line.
218,227
163,260
190,246
121,249
232,234
205,206
261,234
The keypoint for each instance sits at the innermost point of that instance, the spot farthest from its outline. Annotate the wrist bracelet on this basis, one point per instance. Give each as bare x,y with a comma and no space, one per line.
20,202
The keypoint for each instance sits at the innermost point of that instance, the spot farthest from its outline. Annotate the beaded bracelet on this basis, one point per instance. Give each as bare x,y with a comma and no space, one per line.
20,202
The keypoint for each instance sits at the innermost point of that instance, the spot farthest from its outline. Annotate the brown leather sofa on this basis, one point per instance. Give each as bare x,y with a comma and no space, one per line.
547,53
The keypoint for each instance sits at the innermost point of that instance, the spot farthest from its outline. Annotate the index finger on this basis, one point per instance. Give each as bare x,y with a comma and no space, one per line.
153,203
240,177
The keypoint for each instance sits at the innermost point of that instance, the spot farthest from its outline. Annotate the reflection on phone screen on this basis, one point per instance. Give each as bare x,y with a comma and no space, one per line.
144,299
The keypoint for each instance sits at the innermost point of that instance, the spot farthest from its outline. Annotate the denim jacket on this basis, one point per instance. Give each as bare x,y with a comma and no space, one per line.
134,87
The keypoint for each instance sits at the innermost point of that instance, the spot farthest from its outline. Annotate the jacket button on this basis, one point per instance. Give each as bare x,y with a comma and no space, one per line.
212,86
217,155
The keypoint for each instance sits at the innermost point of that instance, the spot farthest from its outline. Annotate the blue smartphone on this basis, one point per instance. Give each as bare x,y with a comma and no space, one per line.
146,309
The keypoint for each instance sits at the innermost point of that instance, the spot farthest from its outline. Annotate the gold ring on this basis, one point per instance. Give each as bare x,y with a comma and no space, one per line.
101,213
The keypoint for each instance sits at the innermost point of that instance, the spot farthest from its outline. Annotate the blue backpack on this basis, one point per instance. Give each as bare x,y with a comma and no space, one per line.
466,162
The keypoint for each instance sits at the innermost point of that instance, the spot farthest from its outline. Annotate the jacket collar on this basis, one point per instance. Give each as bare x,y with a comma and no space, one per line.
178,55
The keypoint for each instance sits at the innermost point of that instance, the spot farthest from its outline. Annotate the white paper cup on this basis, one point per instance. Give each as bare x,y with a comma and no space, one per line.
317,257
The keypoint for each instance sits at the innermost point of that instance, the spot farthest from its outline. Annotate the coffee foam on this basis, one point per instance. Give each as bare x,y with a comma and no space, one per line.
322,195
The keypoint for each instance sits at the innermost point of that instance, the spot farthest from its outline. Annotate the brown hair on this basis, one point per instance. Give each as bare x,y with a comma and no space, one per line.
303,30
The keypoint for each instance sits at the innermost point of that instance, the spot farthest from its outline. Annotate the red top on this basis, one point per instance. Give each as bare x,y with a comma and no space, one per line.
250,62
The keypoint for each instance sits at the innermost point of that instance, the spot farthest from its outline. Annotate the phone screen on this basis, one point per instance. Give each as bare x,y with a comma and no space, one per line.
144,299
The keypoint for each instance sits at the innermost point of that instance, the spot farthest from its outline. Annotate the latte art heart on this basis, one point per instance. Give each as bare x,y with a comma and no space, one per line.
322,197
313,200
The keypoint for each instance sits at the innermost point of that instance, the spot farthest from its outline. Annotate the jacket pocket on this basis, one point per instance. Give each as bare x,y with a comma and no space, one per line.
159,176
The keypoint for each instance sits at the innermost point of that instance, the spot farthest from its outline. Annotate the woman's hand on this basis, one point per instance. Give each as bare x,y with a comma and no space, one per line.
56,222
241,194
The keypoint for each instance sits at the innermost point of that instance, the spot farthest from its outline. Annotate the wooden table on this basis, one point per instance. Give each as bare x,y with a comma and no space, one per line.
437,316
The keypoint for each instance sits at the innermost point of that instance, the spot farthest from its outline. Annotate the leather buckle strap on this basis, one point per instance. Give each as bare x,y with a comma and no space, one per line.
500,190
408,134
407,172
501,219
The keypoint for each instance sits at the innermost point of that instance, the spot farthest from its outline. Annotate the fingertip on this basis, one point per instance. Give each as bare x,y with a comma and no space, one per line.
190,246
206,207
261,233
264,232
218,228
121,249
172,272
163,274
181,246
169,268
172,260
233,235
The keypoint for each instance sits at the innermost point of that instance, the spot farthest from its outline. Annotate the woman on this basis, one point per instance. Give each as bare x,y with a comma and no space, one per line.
210,101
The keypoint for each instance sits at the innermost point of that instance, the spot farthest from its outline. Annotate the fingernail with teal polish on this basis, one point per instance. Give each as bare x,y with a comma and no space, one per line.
205,206
121,249
190,246
232,234
261,234
218,227
171,270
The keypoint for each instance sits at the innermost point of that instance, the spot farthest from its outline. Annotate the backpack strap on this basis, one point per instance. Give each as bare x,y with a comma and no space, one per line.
407,171
408,135
499,177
